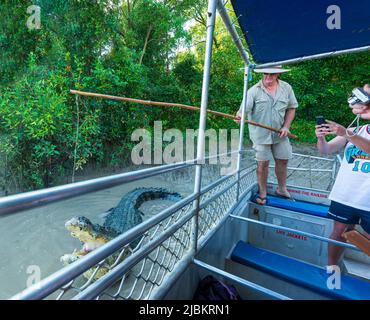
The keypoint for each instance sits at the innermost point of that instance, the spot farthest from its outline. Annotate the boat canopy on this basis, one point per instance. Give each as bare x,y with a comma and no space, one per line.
278,31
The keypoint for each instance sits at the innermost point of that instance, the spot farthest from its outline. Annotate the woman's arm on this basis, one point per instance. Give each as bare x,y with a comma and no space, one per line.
328,147
341,132
360,142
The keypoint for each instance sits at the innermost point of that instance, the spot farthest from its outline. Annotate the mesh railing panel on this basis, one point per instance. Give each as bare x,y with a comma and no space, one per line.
248,178
218,201
304,171
148,273
216,207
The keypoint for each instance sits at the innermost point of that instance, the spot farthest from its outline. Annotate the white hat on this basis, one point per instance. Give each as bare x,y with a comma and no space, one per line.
275,69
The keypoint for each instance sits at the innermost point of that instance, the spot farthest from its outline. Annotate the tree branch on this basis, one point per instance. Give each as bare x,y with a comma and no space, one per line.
146,43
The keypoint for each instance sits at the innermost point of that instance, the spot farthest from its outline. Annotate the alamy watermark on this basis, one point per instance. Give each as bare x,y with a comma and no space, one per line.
34,21
34,277
173,146
334,280
334,21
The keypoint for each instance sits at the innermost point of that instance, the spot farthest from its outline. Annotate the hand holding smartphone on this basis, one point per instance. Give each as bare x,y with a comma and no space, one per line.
320,120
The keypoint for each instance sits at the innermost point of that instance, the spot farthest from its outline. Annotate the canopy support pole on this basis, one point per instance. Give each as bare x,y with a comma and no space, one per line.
312,57
242,125
211,20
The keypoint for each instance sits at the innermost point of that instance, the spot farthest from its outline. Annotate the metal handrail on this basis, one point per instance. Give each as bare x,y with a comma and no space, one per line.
305,169
28,200
313,157
240,281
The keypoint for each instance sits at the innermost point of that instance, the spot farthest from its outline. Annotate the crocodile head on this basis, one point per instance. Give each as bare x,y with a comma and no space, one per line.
92,236
84,230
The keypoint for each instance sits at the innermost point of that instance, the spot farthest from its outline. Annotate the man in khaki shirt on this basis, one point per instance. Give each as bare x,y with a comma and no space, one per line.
271,102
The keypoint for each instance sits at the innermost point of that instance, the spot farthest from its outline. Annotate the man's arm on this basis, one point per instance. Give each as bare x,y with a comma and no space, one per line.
289,117
289,114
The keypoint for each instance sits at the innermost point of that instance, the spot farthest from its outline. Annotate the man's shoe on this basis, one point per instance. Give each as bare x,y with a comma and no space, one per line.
261,200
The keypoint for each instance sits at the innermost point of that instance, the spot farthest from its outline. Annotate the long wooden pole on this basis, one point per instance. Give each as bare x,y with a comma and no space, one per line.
177,105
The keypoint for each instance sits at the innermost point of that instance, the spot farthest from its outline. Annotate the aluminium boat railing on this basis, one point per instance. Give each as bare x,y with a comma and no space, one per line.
28,200
164,241
165,244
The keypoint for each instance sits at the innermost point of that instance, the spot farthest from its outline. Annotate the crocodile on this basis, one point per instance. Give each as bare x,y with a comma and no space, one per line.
118,220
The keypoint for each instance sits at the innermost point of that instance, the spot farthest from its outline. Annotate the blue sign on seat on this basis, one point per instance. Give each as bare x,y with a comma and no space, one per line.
318,210
299,273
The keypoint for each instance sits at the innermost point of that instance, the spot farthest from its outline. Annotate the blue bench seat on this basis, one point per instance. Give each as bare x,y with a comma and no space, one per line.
299,273
314,209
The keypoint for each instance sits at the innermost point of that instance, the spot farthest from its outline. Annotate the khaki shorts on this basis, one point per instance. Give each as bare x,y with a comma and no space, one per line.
280,151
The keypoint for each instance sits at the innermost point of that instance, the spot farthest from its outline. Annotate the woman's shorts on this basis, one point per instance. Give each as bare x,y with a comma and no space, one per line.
349,215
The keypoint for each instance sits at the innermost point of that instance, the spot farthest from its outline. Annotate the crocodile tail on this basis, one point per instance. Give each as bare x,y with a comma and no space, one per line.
147,194
172,196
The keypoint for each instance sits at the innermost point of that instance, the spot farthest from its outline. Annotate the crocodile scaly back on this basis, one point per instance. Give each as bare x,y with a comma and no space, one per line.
127,214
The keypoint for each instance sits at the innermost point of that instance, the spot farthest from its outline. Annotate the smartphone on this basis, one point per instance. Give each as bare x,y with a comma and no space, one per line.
320,120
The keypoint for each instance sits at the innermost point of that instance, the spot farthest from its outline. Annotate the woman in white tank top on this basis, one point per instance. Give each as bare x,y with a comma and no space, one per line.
350,195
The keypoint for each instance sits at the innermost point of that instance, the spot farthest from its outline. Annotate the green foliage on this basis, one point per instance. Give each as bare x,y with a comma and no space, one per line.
305,130
323,86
